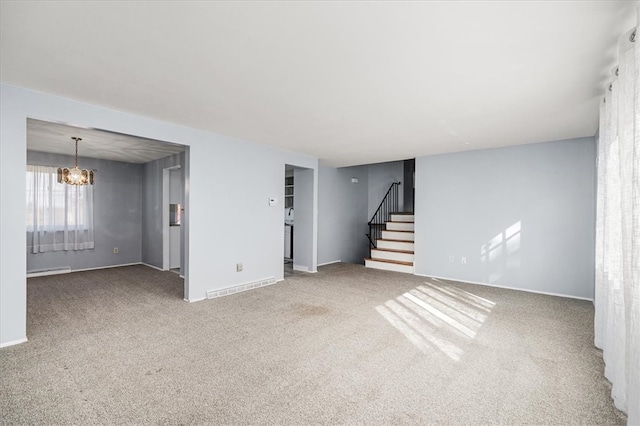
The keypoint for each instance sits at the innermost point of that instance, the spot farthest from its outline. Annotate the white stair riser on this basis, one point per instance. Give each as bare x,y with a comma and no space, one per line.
394,235
388,266
400,226
391,255
402,218
395,245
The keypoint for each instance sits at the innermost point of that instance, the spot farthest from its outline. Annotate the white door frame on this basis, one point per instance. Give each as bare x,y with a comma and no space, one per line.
166,180
307,252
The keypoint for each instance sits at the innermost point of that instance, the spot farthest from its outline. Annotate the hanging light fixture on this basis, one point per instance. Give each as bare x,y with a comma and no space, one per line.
76,176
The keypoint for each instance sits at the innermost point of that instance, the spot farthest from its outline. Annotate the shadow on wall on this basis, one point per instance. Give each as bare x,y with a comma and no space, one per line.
437,316
501,253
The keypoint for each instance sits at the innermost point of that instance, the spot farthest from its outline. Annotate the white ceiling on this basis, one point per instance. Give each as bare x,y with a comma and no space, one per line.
56,138
348,82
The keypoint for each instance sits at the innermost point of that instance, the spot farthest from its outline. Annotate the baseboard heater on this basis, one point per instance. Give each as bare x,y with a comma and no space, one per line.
49,271
212,294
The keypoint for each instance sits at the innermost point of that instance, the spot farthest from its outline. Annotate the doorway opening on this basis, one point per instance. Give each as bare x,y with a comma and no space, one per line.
298,220
172,212
127,195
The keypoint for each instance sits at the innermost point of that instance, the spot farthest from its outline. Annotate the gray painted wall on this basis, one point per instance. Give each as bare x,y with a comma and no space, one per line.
117,215
523,216
342,214
381,176
152,249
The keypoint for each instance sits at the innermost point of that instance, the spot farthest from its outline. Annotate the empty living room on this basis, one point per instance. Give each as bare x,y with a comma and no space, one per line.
345,212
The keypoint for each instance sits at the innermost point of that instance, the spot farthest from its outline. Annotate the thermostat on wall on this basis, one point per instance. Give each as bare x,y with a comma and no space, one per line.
273,202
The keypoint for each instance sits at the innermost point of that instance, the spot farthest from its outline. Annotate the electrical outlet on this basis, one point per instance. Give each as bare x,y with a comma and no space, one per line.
115,250
463,260
451,259
238,267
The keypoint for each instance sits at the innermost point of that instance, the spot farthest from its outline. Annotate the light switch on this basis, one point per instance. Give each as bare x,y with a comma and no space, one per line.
273,202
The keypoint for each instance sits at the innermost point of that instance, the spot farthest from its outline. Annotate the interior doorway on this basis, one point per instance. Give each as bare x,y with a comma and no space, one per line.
126,207
172,209
298,220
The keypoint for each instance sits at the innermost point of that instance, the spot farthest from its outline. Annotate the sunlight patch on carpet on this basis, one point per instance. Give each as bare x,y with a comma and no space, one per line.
437,317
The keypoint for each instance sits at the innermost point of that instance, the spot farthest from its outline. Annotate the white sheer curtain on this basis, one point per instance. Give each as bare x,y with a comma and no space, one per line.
59,216
617,292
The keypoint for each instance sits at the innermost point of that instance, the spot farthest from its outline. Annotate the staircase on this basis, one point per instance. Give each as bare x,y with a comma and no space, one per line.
391,236
393,251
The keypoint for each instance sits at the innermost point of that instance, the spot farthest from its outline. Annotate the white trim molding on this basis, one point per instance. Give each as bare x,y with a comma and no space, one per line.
106,267
303,268
13,342
68,270
154,267
47,272
329,263
526,290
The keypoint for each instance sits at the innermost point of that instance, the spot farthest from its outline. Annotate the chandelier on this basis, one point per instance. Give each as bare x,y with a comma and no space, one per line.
76,176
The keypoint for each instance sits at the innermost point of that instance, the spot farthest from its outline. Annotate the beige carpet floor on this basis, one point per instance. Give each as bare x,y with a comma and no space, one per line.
347,345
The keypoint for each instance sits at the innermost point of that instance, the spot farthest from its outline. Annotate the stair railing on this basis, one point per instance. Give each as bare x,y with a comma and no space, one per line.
388,205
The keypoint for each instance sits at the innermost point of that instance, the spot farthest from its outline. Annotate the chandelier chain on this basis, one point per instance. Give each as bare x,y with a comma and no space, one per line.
76,139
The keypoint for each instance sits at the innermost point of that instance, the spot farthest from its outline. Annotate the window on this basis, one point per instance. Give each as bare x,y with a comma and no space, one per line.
59,216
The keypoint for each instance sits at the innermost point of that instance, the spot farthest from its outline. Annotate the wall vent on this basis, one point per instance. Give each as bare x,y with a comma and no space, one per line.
212,294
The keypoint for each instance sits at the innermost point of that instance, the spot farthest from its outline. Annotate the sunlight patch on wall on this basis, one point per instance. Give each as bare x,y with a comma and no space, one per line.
501,252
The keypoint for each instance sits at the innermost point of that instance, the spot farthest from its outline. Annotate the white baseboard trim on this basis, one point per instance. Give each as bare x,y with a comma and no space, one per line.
13,342
154,267
213,294
508,288
68,270
302,268
329,263
106,267
47,272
